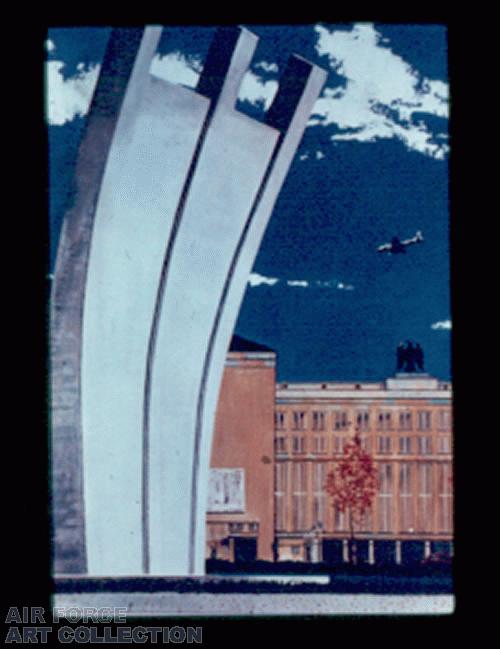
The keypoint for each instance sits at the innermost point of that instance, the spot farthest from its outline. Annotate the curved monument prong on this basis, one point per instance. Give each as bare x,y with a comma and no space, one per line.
229,169
299,88
227,61
174,204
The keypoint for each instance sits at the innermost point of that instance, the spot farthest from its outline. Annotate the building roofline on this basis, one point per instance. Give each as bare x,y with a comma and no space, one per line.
240,344
401,386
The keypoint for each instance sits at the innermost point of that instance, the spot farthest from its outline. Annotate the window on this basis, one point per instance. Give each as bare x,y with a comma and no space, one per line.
405,445
366,443
445,498
406,523
384,421
226,490
405,421
383,444
340,420
319,444
279,420
385,498
363,420
425,445
281,488
319,477
425,497
365,524
424,420
444,420
236,527
338,444
280,444
299,420
298,444
444,444
340,521
319,496
299,495
318,420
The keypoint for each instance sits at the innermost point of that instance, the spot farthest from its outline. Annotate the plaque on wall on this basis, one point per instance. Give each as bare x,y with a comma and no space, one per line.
226,490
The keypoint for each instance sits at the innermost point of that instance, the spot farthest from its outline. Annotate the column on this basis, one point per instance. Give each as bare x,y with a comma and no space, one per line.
371,552
345,550
395,495
398,553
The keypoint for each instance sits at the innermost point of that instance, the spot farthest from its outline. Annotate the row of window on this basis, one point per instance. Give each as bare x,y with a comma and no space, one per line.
384,420
243,527
415,511
404,445
294,475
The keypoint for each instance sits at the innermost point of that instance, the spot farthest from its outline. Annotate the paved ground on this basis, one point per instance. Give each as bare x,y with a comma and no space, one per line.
216,604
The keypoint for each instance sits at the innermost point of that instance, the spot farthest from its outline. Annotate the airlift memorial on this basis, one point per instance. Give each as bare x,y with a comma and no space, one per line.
173,192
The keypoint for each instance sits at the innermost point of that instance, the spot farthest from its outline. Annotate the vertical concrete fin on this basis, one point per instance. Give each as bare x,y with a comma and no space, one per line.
128,52
227,61
121,56
107,99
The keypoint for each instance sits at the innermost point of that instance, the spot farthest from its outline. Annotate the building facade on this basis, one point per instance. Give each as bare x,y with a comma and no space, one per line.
280,442
405,423
240,513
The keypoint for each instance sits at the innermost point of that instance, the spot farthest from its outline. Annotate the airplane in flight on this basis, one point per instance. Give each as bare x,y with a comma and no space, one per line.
397,246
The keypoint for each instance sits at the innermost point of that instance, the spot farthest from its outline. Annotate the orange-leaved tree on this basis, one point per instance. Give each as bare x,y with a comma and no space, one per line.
352,486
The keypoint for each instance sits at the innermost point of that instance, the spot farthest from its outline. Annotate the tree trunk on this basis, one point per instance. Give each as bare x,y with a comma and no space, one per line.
353,554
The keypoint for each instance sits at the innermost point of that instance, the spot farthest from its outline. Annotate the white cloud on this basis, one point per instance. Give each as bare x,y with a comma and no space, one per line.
50,45
67,98
304,156
256,280
381,90
177,68
442,324
298,282
267,67
319,155
255,90
341,286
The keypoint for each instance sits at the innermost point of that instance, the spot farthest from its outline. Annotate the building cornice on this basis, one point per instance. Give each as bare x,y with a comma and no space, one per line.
292,396
401,387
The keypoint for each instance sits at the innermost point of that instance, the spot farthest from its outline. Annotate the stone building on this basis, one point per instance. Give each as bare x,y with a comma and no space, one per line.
274,446
240,519
405,423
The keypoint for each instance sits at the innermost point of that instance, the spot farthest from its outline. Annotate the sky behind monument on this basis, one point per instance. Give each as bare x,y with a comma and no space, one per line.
373,163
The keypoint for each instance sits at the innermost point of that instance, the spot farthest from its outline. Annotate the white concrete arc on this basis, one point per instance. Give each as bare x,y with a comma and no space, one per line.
151,152
226,181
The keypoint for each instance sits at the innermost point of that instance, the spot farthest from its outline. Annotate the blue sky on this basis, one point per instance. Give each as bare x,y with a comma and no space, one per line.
373,163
